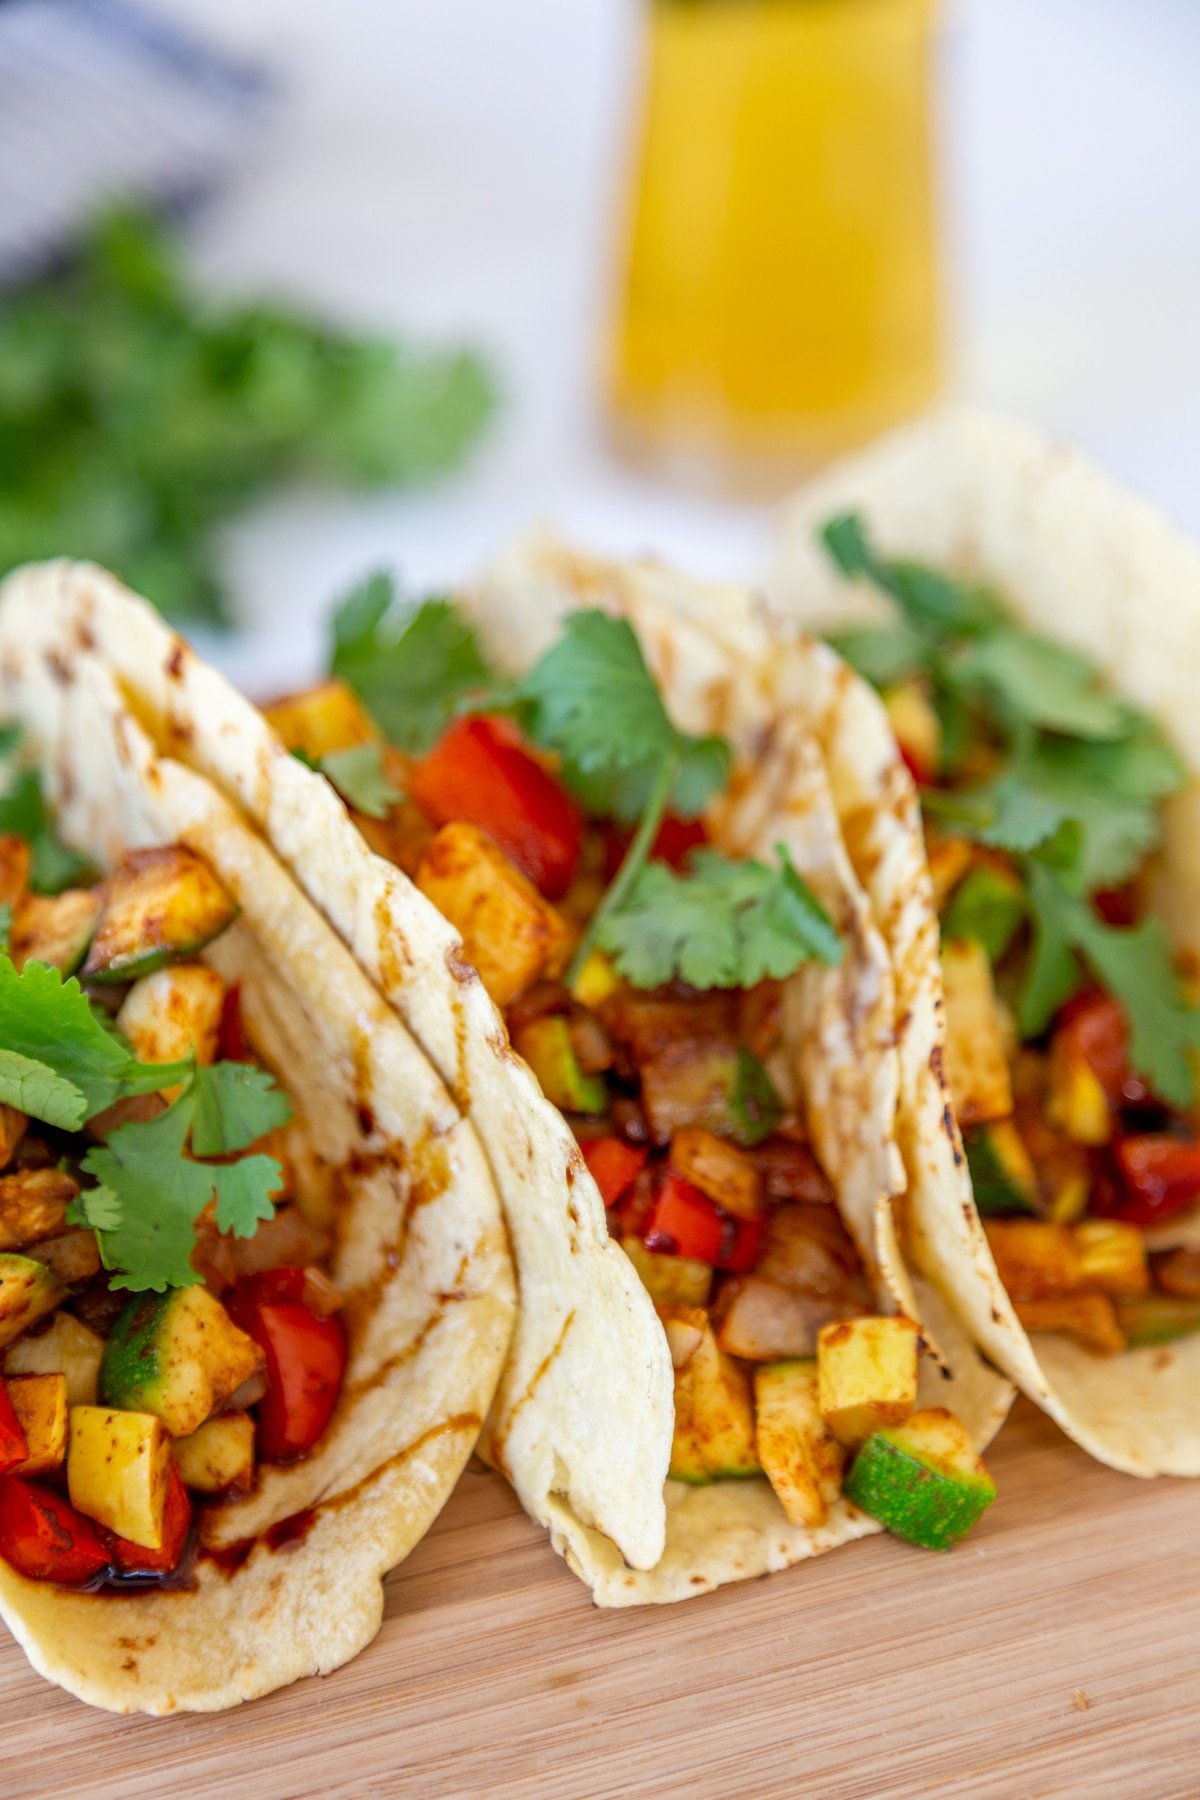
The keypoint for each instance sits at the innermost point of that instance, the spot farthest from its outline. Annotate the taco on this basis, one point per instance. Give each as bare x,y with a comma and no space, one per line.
255,1291
1033,628
722,1114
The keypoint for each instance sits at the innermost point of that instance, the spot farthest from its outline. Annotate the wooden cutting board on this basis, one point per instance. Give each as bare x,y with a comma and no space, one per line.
1057,1652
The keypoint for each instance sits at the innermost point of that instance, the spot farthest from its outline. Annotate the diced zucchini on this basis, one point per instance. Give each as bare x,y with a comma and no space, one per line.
40,1403
976,1062
1090,1318
174,1013
177,1355
65,1348
923,1480
800,1457
55,928
33,1205
719,1169
1036,1258
596,981
669,1280
1077,1102
328,717
218,1458
118,1464
28,1291
545,1043
867,1370
1157,1319
72,1257
917,728
1112,1257
158,905
510,933
714,1413
986,908
15,858
1002,1173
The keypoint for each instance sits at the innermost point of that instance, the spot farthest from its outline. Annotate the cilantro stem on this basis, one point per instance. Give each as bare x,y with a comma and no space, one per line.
636,857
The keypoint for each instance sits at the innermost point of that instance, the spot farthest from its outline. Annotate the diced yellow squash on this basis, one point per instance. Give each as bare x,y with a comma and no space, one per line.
159,904
1036,1259
13,1125
867,1375
1070,1199
1076,1102
71,1257
801,1458
596,981
510,933
65,1348
976,1063
1112,1257
14,868
28,1291
719,1169
40,1403
326,718
55,928
118,1464
917,728
33,1205
669,1280
714,1406
219,1457
172,1013
177,1355
1090,1318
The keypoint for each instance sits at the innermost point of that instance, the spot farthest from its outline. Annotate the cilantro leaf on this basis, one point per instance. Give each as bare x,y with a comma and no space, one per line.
754,1105
235,1105
933,603
244,1191
358,775
24,813
37,1090
98,1207
411,666
986,910
154,1194
1034,681
1053,973
723,924
882,654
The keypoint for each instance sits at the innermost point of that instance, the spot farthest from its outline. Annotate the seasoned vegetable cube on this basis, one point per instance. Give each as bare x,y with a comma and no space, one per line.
177,1355
1002,1173
714,1409
917,727
159,904
328,717
690,1084
596,981
800,1457
511,935
719,1169
1089,1317
976,1062
923,1479
72,1257
28,1291
66,1347
669,1280
545,1043
1077,1102
867,1372
219,1458
1036,1259
13,1126
1158,1319
759,1320
118,1465
14,868
33,1205
1112,1257
40,1403
172,1013
55,928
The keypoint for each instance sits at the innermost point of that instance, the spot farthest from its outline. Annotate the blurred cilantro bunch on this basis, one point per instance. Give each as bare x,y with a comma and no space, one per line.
137,417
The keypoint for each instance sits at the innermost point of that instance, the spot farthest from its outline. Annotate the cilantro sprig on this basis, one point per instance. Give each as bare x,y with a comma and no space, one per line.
1074,795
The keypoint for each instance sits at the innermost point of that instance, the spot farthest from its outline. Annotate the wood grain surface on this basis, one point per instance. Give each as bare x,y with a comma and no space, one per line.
1057,1652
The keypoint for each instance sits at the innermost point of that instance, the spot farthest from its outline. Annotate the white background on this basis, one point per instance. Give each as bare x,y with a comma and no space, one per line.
453,168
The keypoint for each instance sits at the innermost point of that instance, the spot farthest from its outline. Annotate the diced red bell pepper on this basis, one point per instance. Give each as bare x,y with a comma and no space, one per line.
136,1559
614,1164
480,773
1117,906
1161,1176
13,1448
742,1243
306,1362
1094,1028
45,1538
231,1040
683,1222
676,839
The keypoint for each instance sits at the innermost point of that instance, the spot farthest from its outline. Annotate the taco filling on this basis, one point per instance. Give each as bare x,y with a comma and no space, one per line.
558,824
1071,1030
167,1322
